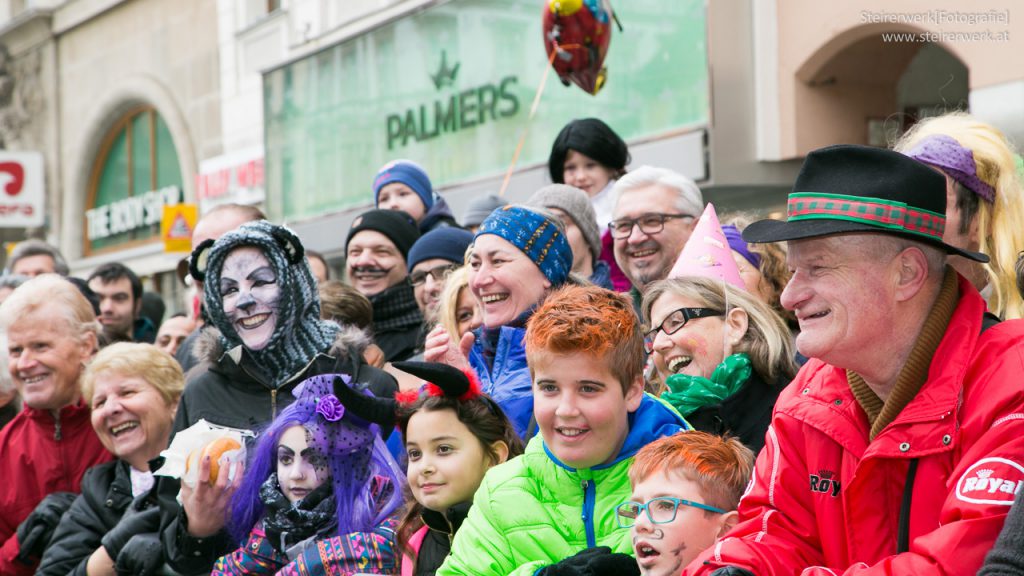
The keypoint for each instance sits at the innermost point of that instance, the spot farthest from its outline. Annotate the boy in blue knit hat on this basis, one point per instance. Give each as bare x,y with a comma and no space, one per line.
404,185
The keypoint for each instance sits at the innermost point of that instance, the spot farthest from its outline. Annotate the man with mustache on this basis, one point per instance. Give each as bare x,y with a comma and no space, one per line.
377,250
653,218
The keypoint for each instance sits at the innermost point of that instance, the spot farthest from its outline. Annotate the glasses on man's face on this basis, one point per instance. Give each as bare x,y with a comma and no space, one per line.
675,321
438,273
661,510
649,224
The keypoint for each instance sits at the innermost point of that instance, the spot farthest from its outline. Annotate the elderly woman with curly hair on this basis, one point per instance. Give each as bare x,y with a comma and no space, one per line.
723,354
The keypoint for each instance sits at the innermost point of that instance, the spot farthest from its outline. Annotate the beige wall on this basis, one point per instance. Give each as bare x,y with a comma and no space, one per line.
157,52
834,70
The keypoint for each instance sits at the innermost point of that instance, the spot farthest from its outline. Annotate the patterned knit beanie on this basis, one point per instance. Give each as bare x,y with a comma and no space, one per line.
538,234
299,334
409,173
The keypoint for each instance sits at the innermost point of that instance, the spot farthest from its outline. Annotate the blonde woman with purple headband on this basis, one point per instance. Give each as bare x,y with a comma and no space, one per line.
985,200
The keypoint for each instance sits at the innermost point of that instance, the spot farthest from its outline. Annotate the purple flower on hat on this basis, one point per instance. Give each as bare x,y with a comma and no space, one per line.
330,408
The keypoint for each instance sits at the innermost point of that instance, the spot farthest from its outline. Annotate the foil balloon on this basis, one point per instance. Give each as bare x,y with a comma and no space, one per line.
578,33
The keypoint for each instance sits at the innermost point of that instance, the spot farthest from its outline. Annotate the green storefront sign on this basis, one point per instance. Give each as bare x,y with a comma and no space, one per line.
451,87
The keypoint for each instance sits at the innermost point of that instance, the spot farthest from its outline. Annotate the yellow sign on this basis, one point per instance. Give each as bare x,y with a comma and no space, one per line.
176,227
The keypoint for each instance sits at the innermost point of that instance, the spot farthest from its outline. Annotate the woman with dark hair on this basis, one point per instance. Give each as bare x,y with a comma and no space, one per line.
589,155
320,494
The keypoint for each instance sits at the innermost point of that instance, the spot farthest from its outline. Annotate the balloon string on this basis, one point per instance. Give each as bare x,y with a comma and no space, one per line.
529,119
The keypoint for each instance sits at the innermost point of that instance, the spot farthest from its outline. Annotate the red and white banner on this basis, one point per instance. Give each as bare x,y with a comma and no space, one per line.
22,182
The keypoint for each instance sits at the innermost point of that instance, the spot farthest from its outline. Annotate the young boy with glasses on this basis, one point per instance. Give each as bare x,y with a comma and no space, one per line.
686,489
551,511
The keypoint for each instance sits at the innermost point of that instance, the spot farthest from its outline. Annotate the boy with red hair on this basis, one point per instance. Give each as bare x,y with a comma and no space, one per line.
686,489
551,511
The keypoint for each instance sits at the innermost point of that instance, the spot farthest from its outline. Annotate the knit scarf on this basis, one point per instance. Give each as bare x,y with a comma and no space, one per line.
286,524
395,309
914,373
689,393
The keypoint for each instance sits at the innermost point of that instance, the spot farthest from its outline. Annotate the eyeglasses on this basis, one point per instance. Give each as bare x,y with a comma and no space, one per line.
650,224
438,273
660,510
675,321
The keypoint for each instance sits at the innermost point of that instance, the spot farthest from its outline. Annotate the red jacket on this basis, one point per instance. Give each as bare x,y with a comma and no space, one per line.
825,500
35,461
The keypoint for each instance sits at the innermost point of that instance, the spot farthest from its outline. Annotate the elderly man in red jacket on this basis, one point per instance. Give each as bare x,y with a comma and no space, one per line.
899,446
51,334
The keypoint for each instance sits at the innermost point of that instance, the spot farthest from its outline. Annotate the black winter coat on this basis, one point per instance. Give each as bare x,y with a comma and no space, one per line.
106,494
437,543
746,414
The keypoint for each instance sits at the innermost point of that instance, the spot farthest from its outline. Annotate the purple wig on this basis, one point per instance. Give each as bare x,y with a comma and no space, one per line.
356,456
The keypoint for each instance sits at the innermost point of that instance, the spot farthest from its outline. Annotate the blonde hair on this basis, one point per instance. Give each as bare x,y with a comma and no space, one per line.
767,340
1000,223
158,368
448,309
52,292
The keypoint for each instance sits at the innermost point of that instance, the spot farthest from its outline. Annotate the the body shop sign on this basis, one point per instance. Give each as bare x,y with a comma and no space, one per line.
21,190
130,214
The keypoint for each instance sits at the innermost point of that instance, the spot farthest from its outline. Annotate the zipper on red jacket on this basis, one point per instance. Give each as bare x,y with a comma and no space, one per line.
56,428
589,497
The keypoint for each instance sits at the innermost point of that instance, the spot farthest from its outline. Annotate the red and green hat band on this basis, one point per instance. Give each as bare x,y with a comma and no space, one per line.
866,210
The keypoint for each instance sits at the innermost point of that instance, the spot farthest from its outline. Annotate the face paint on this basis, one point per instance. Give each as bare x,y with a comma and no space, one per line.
251,294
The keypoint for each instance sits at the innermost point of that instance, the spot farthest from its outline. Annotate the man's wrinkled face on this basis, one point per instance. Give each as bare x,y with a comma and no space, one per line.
374,263
645,258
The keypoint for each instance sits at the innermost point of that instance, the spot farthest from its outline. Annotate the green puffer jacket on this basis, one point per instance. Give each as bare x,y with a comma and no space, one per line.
533,510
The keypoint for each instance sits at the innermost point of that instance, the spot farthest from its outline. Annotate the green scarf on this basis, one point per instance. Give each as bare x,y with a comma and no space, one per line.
688,393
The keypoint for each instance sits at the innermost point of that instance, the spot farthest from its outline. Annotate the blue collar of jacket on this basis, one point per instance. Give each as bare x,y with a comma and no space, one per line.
653,419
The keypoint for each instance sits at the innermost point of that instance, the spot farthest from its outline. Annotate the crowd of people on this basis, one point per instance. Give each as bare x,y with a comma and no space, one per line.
604,379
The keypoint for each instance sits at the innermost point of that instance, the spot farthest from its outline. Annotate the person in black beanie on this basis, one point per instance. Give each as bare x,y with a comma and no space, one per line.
265,336
377,251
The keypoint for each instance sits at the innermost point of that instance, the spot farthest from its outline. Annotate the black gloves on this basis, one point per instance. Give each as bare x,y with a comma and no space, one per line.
35,532
597,561
732,571
143,555
135,521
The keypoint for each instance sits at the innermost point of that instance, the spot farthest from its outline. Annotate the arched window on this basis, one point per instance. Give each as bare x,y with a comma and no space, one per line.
136,173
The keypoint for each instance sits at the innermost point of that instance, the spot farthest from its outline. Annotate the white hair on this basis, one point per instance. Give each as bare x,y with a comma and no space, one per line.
690,200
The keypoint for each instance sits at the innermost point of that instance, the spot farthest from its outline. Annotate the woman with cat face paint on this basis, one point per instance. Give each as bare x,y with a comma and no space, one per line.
265,336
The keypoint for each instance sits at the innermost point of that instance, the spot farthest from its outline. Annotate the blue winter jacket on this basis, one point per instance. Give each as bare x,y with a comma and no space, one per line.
508,382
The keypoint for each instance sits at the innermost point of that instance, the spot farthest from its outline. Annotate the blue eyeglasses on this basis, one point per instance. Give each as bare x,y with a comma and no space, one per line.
661,510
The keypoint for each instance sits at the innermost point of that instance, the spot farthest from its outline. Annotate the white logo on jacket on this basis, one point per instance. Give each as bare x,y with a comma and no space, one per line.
991,481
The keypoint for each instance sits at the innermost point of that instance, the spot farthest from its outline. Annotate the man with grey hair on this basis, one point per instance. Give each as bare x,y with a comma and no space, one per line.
33,257
899,446
655,212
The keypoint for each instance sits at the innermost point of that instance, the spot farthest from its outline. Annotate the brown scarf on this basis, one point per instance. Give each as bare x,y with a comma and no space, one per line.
915,371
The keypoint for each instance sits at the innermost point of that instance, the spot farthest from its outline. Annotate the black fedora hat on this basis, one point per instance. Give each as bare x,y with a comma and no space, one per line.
849,188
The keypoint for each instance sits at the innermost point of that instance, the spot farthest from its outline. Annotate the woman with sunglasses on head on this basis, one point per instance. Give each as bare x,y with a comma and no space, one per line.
723,354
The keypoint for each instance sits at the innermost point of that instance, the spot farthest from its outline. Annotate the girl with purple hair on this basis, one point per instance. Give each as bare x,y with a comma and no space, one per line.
321,493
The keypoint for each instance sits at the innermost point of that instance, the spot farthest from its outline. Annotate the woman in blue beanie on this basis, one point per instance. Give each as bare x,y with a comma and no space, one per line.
404,185
519,256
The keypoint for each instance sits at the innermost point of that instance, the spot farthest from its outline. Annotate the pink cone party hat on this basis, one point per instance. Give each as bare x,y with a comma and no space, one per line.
707,253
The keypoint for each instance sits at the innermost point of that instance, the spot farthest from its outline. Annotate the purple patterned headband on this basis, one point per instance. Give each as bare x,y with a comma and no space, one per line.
736,242
945,152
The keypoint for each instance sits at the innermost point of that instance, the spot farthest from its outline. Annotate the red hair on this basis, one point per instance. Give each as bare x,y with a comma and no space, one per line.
591,320
720,466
